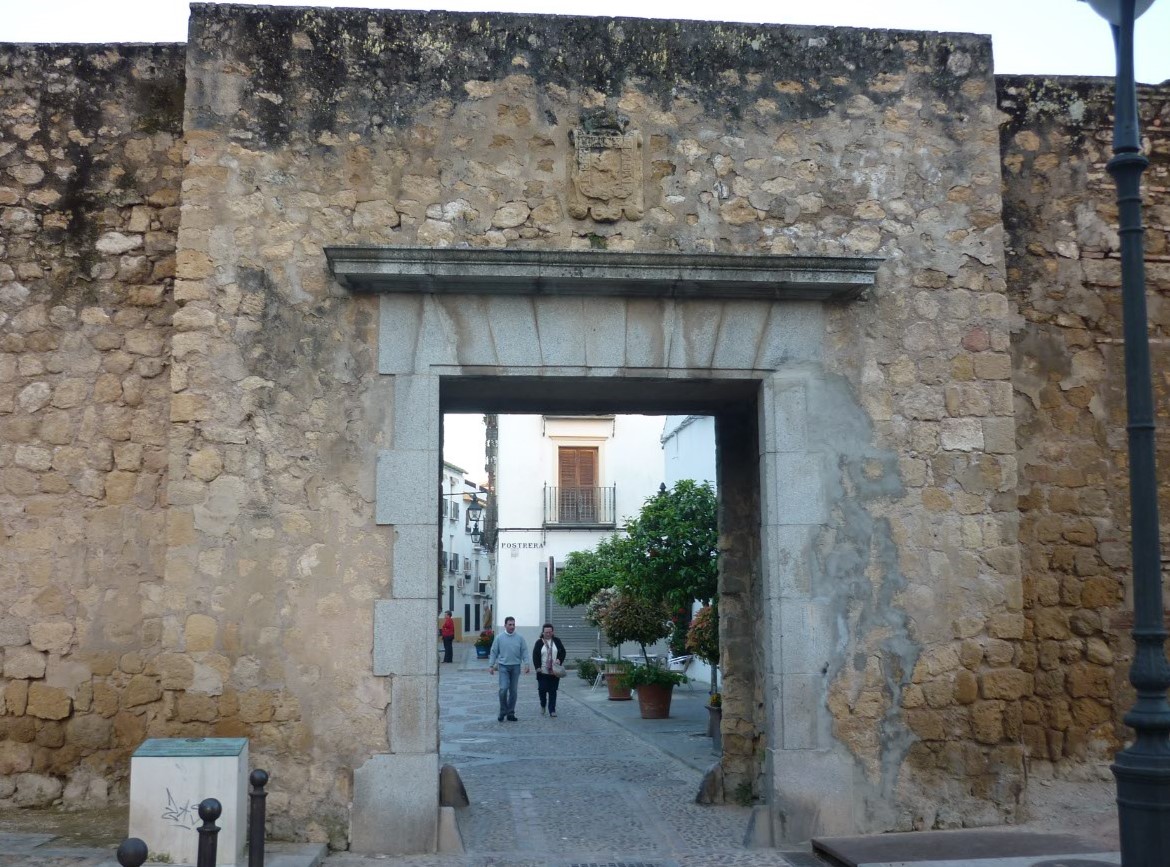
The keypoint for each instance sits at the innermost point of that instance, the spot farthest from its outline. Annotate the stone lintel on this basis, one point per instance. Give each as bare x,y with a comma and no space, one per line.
641,275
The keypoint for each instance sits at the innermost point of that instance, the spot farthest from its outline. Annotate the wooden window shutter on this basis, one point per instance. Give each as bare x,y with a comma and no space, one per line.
578,467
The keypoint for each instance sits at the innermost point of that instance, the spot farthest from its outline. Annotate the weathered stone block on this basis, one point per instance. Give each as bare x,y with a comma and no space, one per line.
175,670
808,635
404,637
414,544
36,790
391,819
47,702
987,722
24,663
16,697
1051,623
801,712
257,706
413,715
196,708
400,472
205,464
89,731
416,412
1085,679
140,690
966,687
1005,683
200,633
1100,592
793,488
784,415
821,805
13,631
15,758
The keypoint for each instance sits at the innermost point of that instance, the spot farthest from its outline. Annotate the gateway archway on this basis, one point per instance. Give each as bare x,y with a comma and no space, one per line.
741,338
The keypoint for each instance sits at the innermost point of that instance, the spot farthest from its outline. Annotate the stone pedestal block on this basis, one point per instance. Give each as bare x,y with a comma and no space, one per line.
168,779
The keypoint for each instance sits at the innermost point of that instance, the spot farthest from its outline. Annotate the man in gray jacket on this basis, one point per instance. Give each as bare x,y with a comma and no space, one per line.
509,652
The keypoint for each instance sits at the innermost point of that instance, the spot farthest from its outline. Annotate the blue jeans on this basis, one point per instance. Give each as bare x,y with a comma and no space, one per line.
509,683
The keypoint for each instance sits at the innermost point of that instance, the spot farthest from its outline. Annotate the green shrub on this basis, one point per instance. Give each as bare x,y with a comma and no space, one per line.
652,675
586,669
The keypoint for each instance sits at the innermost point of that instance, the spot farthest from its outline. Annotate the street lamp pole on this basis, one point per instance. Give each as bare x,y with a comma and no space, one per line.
1142,769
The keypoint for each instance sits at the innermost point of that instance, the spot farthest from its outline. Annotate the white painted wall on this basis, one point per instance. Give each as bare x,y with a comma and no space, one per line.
629,458
688,448
688,452
455,535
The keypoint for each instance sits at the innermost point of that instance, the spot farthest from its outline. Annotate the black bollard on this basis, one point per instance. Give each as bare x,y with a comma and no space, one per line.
132,852
256,818
209,811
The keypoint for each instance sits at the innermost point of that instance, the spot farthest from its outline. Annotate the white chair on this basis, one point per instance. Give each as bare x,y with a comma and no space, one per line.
598,678
681,664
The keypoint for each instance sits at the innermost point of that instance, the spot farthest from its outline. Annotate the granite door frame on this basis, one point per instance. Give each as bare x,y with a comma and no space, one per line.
432,342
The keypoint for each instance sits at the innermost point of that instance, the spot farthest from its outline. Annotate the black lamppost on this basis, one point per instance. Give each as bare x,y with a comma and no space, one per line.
474,513
1143,768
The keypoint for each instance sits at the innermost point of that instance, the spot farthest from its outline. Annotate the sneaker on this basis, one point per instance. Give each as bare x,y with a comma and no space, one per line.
552,713
500,718
512,718
543,712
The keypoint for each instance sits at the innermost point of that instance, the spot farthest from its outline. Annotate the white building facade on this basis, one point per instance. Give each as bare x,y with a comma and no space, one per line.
465,568
563,484
688,452
688,448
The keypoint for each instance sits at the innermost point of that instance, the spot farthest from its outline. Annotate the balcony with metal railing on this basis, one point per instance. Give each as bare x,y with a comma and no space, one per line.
579,507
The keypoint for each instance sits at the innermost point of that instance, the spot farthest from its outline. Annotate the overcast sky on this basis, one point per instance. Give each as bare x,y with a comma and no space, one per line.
1055,37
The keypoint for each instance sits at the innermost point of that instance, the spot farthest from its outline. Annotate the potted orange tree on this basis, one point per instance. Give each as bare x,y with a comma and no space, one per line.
667,560
629,617
703,642
596,613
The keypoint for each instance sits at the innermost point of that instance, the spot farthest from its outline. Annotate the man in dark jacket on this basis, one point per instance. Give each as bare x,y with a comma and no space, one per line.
546,652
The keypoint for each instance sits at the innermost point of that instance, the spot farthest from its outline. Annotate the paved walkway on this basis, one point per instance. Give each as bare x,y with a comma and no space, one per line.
595,785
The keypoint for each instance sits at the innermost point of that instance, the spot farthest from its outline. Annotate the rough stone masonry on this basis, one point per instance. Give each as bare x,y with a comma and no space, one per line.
193,411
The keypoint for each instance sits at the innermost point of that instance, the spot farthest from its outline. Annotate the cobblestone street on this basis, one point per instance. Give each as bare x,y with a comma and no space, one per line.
581,788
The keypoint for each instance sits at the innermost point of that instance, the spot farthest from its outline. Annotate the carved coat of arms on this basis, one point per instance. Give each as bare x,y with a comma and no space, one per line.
605,173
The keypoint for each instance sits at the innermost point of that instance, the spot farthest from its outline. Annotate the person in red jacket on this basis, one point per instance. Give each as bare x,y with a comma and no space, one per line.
447,630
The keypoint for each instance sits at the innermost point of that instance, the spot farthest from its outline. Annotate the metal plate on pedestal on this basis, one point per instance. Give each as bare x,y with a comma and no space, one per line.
190,747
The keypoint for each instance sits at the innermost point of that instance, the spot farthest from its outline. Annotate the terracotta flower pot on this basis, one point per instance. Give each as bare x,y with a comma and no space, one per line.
613,683
715,726
654,700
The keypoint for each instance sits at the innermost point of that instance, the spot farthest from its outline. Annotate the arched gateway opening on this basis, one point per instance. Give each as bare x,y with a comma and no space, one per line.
738,337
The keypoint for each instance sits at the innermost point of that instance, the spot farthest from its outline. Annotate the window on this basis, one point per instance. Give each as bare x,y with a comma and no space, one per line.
577,482
454,511
454,564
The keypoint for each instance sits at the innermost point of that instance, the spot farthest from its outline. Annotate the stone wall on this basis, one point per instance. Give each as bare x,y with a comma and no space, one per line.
90,170
307,128
1064,277
244,602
